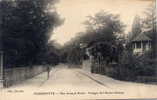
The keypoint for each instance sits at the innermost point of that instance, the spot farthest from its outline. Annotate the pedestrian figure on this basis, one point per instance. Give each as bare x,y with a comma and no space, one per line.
48,72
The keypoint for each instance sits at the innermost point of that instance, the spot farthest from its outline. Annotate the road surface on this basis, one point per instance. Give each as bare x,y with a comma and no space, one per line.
73,82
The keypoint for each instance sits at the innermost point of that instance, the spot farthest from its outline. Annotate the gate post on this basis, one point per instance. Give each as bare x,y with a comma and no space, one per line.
1,70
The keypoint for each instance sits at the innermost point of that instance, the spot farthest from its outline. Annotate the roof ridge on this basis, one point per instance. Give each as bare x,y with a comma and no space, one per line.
141,37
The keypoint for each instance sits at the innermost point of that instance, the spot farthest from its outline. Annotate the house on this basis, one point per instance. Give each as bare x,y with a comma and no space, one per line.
141,43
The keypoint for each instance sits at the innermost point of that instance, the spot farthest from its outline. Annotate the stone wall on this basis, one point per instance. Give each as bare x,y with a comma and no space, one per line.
16,75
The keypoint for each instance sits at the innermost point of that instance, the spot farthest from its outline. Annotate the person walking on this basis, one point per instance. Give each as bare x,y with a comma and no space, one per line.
48,72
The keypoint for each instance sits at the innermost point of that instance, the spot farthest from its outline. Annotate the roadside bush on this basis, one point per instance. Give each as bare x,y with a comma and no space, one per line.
129,68
132,66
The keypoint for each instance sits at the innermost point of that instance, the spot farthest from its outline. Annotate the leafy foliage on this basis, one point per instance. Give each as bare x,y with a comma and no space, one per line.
103,26
136,27
149,24
25,30
131,66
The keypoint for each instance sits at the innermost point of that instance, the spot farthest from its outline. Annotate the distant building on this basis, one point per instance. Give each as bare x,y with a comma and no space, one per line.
141,43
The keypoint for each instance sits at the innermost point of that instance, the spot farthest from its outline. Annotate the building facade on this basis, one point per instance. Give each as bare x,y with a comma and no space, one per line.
141,44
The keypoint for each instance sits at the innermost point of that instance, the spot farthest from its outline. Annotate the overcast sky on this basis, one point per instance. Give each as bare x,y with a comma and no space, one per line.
75,12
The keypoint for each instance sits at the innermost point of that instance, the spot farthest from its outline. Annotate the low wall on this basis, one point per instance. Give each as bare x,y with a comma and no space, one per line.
16,75
87,65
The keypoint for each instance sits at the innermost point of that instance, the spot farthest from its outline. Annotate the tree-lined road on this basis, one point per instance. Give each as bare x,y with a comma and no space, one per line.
64,79
62,76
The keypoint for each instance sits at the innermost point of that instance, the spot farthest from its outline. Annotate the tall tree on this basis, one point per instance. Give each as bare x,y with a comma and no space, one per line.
150,26
103,26
25,27
136,27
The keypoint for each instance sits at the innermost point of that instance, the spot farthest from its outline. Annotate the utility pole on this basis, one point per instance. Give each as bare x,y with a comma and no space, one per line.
1,70
1,52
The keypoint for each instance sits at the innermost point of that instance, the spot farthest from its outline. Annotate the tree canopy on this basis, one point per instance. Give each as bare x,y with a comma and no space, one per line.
136,27
25,29
103,26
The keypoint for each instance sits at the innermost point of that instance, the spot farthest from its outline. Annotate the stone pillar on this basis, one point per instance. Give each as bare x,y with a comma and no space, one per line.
147,45
142,47
135,46
150,46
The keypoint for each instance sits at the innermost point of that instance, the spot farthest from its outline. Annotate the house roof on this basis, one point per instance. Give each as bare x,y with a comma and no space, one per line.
142,37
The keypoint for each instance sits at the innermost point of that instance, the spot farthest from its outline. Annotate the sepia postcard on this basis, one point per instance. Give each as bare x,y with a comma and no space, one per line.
78,50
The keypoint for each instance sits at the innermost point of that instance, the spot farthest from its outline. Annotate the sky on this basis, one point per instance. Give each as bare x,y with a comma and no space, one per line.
75,12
